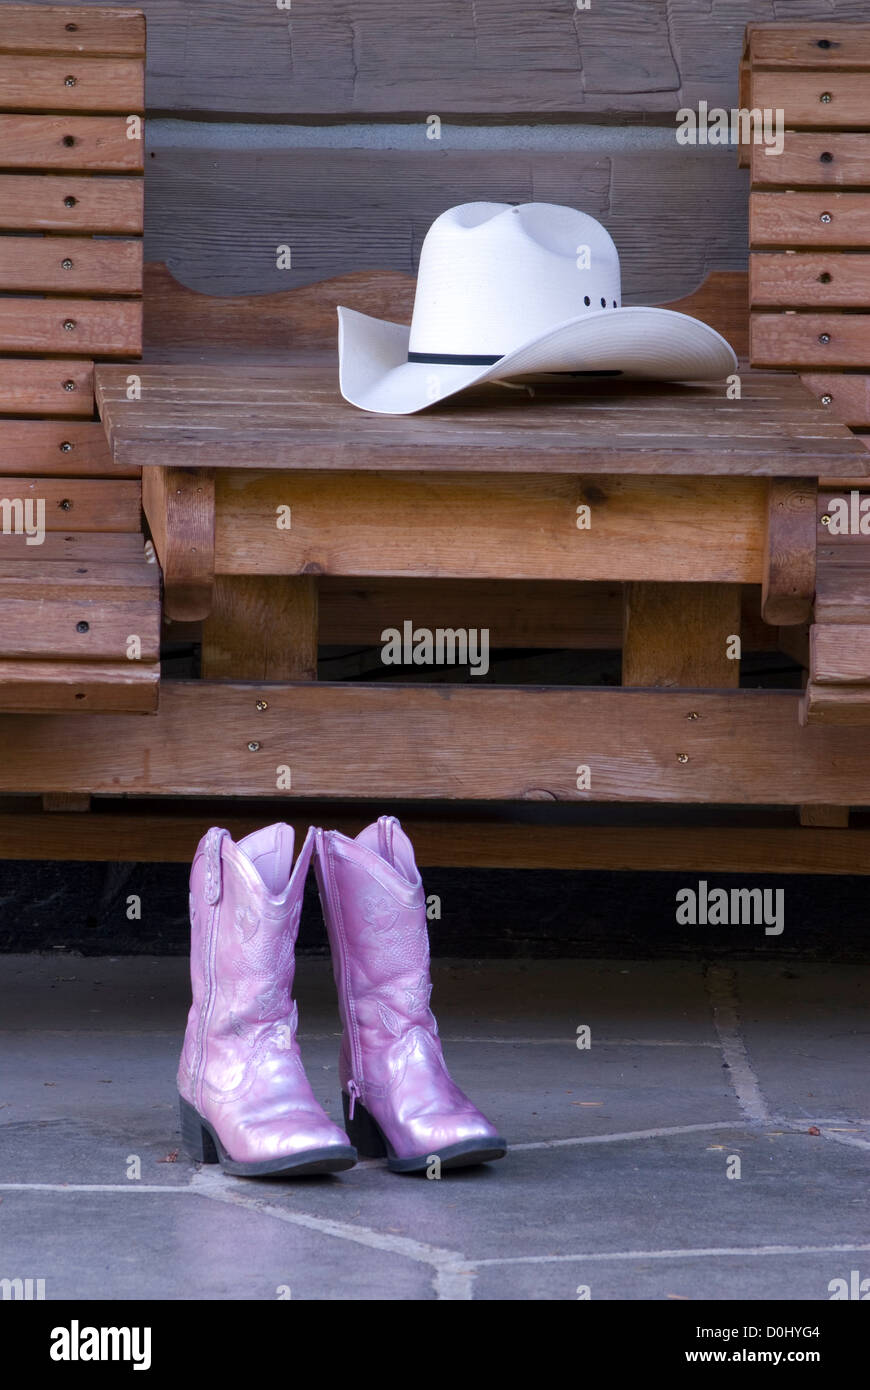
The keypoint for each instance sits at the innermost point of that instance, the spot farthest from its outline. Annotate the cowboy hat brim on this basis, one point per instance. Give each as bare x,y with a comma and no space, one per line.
640,341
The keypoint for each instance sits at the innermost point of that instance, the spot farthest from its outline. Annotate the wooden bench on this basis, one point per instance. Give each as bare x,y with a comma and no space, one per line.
79,593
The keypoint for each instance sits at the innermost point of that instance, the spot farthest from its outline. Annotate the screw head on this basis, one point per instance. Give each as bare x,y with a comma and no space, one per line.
69,140
262,704
69,386
825,278
65,505
253,746
83,627
825,217
69,325
70,202
693,715
70,81
71,28
824,337
826,157
66,264
682,757
824,43
825,520
826,98
826,398
66,447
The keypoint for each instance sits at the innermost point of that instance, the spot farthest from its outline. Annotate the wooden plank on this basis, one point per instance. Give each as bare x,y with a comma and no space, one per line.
839,159
95,328
72,29
70,265
827,817
809,340
80,629
46,387
66,801
678,635
80,504
800,96
113,832
69,580
843,706
340,213
453,742
71,203
840,653
825,219
261,627
179,505
58,448
843,594
819,44
789,570
490,526
124,547
44,688
45,82
96,144
810,279
273,417
846,396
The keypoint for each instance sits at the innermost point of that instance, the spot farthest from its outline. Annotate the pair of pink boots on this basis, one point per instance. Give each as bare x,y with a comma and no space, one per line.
245,1099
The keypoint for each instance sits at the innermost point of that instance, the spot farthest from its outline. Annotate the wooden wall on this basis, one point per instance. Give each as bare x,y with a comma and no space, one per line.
241,94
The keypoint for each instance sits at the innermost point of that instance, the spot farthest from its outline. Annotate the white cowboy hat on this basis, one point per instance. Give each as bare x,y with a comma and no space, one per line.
508,291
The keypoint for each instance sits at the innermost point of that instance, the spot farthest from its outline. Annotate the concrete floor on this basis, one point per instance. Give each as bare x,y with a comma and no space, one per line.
616,1182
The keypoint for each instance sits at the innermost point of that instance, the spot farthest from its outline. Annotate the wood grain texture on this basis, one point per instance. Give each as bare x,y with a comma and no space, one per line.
58,448
820,41
799,96
82,629
66,801
46,386
77,547
677,634
71,203
796,220
810,340
70,265
294,418
674,215
360,741
849,395
75,83
57,143
179,506
846,706
843,594
88,328
58,580
490,526
824,159
72,29
829,817
789,572
45,688
810,280
261,627
80,504
840,653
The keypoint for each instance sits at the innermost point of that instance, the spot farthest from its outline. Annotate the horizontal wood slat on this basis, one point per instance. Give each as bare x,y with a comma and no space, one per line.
810,279
70,265
840,653
799,95
124,547
46,687
60,579
831,158
46,386
809,340
491,526
796,220
36,82
361,741
823,43
843,593
80,504
40,628
846,706
71,203
96,144
93,328
72,29
58,448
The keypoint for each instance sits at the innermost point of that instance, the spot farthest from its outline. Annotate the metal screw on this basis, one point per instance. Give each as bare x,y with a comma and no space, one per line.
65,505
824,43
69,386
83,627
72,28
825,217
69,140
826,277
826,399
825,520
826,98
253,746
262,704
66,264
682,757
66,447
824,337
693,715
69,81
826,157
70,202
69,325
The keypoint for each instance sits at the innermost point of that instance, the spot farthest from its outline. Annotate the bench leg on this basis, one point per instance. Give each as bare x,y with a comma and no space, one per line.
261,627
680,635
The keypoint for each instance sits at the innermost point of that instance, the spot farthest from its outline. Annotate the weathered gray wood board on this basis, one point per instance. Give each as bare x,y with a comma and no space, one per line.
500,57
217,217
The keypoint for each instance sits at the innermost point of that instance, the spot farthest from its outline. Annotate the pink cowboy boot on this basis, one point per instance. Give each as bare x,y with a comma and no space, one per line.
245,1099
398,1096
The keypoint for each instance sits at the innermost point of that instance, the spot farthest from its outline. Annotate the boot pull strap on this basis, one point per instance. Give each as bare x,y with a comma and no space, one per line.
385,835
213,866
